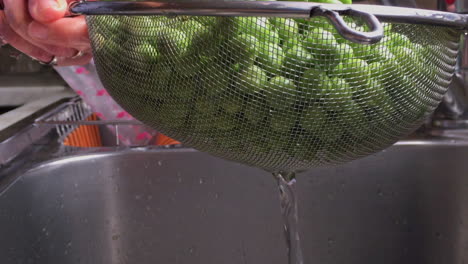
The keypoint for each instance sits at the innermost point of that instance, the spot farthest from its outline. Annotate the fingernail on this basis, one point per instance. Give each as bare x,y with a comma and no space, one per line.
47,10
55,4
39,31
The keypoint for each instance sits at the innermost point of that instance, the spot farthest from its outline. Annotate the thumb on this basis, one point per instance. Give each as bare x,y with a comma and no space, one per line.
46,11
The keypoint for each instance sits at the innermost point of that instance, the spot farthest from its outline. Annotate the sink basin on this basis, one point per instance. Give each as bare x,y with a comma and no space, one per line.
405,205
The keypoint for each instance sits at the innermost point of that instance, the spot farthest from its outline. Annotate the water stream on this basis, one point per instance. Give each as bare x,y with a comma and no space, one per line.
287,194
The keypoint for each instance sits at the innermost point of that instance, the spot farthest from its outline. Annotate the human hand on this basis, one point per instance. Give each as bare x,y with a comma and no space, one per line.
42,30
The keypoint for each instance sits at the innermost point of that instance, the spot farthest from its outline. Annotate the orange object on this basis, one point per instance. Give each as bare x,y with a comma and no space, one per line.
162,140
85,135
88,136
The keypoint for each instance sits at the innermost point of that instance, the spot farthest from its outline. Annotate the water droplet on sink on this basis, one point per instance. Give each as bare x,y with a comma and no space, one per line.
201,181
203,212
159,163
380,192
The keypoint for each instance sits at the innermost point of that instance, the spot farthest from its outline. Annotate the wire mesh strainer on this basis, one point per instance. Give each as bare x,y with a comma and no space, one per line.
275,84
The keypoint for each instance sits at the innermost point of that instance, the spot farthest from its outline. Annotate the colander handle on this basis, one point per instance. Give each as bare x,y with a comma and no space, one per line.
375,34
241,8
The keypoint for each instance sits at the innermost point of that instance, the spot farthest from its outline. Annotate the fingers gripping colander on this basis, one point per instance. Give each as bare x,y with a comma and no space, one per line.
261,84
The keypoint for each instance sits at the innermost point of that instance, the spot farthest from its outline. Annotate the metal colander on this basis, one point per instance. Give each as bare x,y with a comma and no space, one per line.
283,94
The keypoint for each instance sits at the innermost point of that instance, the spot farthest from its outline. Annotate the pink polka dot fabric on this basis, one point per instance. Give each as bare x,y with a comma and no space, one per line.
85,82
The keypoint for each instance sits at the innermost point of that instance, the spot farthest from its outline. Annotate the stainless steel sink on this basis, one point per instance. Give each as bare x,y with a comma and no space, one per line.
407,205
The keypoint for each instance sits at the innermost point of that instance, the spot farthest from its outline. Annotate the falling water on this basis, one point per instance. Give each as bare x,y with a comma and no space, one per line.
287,194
